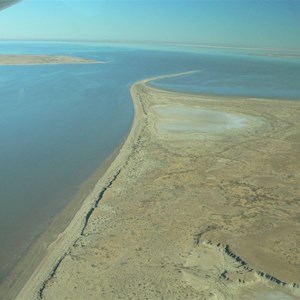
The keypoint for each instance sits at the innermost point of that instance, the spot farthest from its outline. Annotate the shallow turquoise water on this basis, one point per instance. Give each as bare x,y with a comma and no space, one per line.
59,122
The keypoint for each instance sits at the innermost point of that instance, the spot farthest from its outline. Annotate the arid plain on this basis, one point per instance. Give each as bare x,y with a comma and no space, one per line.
202,202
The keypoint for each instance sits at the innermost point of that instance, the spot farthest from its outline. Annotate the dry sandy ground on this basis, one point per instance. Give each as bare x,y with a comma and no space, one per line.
188,210
41,59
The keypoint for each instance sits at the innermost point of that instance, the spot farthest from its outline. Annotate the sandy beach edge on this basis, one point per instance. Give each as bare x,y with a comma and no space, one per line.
26,264
59,248
58,231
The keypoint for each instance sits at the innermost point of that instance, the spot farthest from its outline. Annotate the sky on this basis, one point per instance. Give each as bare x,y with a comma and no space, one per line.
246,23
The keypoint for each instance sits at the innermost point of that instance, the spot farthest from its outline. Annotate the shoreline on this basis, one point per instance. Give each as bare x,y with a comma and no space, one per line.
79,227
20,272
213,96
51,261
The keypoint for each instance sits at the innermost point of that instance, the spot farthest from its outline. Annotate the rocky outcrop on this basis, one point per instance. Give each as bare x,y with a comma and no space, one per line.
245,266
244,272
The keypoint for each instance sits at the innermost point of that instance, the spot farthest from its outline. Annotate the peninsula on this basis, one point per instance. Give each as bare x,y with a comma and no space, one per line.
200,203
42,59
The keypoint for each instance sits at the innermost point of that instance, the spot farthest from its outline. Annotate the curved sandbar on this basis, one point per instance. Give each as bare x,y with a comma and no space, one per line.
181,218
42,59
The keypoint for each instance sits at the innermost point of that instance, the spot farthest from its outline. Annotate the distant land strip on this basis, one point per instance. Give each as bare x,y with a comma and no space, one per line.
43,59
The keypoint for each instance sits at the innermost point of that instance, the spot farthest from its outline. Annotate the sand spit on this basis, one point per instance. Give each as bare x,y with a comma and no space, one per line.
42,60
187,213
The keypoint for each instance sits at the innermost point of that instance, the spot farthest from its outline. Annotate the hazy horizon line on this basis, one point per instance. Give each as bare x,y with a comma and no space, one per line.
143,42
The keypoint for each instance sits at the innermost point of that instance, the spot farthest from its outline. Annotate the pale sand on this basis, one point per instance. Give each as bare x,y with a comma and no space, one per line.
42,60
187,214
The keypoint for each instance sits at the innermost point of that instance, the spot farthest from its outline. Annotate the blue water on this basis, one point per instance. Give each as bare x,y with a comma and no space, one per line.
59,122
240,75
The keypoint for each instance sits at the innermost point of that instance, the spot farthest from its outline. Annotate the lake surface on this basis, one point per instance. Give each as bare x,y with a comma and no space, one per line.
59,122
239,75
